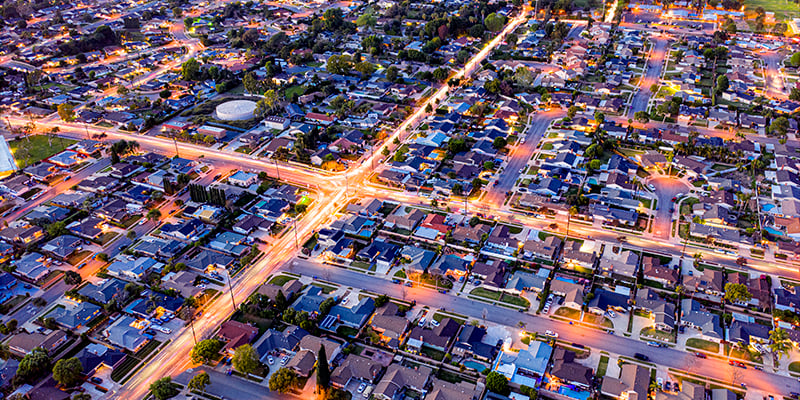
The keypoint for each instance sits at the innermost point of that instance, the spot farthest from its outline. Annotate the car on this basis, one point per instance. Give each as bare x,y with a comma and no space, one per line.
27,286
758,367
396,281
610,332
660,381
270,360
674,198
362,387
653,344
409,284
700,355
477,282
434,322
650,186
461,279
521,170
551,334
421,322
284,360
96,380
667,386
345,300
641,357
611,314
81,266
794,394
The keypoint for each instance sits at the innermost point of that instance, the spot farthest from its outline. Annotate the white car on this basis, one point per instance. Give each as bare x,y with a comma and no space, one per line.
270,360
434,322
651,187
421,322
611,314
362,387
284,360
551,334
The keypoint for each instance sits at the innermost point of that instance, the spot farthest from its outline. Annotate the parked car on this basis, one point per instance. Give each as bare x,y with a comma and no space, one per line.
640,356
361,387
96,380
434,322
551,334
611,314
421,322
700,355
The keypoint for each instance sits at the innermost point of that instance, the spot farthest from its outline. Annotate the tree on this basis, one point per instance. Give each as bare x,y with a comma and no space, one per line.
392,73
494,22
164,94
154,214
779,126
190,70
323,370
268,103
34,365
245,359
795,59
177,12
283,381
72,278
722,83
499,142
779,342
737,292
200,381
66,112
641,116
163,389
68,371
497,383
205,350
599,117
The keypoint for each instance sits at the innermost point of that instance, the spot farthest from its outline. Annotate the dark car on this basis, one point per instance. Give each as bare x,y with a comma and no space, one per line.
640,356
97,380
395,281
700,355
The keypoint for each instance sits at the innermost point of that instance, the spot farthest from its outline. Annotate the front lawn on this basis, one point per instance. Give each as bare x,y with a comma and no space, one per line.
567,312
702,344
488,294
280,280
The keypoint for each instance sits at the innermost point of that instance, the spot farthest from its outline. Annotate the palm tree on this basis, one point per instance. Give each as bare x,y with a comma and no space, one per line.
779,342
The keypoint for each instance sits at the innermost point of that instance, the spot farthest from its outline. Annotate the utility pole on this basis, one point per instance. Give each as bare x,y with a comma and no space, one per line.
296,243
230,288
191,324
277,170
176,146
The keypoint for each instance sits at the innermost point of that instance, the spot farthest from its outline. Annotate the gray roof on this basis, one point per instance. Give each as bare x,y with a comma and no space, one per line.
692,313
123,335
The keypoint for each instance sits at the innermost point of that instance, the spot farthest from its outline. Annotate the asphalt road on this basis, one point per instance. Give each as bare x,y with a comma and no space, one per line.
519,156
667,357
666,189
651,76
230,387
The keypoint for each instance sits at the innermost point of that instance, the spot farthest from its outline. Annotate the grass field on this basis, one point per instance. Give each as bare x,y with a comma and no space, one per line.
783,10
39,148
703,345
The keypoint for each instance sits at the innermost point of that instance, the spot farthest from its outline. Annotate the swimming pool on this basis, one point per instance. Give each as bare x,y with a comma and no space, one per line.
475,365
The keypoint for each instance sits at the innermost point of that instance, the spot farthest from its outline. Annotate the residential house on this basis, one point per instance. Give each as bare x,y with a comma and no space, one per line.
565,370
399,378
605,300
235,334
353,317
127,333
355,367
75,316
389,324
438,338
22,343
710,281
694,315
633,383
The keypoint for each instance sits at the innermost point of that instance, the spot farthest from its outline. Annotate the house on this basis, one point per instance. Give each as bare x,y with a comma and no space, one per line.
748,333
96,356
235,334
63,246
605,300
443,390
565,370
633,383
127,333
103,292
389,324
8,371
527,367
575,258
379,252
243,178
694,315
547,249
22,343
416,260
274,341
625,264
76,316
207,261
661,312
522,281
709,281
451,264
310,301
30,267
438,338
399,378
469,344
654,271
132,268
572,292
470,235
289,289
182,282
689,391
406,221
302,363
89,228
355,367
354,316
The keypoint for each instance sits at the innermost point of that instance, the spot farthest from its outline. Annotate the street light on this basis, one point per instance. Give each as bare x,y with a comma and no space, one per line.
230,288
